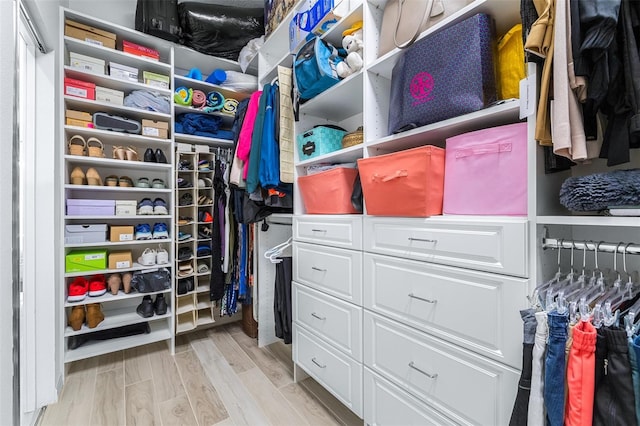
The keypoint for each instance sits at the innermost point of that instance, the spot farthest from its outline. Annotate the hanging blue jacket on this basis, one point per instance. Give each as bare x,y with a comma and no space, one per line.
270,151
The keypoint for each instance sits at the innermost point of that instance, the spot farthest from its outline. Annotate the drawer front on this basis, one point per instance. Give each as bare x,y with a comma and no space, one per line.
387,404
471,389
344,231
338,322
477,310
334,271
339,374
491,245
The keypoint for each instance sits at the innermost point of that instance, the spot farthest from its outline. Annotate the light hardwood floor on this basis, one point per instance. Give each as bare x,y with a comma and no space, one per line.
218,376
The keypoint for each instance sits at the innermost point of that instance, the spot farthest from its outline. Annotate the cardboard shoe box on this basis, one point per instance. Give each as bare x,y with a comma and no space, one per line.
80,234
86,63
156,129
78,118
138,50
120,233
88,207
111,96
85,260
126,207
120,259
89,34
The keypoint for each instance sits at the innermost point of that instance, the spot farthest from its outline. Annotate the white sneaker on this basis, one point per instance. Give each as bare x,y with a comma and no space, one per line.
148,257
162,256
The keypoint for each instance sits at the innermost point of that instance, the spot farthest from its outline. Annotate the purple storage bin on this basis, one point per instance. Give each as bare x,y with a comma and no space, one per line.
83,207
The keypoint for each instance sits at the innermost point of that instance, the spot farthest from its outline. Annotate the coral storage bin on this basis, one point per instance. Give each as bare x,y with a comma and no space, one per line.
487,172
328,192
405,183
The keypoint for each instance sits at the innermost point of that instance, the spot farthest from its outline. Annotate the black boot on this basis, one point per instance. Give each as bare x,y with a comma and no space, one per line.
145,309
160,305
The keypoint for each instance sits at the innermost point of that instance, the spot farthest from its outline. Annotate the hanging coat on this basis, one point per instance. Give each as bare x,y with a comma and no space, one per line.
269,152
253,176
246,132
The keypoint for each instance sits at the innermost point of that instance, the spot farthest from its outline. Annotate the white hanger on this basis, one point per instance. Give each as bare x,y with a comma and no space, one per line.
275,252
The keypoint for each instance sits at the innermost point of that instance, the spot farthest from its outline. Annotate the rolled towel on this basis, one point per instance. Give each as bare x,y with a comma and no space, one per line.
183,96
215,101
199,99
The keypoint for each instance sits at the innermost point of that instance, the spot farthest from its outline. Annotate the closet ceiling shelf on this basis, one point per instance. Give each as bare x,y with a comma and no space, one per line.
183,137
159,331
117,164
92,188
136,267
208,87
116,318
125,243
620,247
589,220
108,297
89,105
106,136
105,80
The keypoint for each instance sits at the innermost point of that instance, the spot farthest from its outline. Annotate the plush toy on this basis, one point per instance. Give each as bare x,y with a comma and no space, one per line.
353,45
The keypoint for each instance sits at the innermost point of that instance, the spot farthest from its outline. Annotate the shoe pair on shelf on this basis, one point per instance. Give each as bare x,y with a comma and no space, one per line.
204,182
185,268
203,200
122,181
80,287
143,182
125,153
205,217
143,231
157,206
92,177
150,257
90,314
148,307
92,147
204,232
185,165
185,253
115,282
183,183
204,166
185,286
154,157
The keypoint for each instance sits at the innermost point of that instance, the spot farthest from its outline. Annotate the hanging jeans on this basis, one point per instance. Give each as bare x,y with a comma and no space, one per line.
536,414
282,300
636,375
614,402
581,375
554,368
521,406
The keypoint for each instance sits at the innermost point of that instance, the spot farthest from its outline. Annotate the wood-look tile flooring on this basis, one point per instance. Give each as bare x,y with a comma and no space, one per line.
218,376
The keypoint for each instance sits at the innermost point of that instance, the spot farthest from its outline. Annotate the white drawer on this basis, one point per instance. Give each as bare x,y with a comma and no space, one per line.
487,244
344,231
477,310
471,389
337,322
337,272
338,373
387,404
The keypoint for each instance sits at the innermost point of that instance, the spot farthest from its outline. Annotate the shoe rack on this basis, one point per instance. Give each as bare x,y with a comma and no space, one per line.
194,214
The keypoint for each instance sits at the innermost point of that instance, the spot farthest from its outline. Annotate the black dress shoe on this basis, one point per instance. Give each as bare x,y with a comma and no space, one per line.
149,156
160,158
160,305
145,309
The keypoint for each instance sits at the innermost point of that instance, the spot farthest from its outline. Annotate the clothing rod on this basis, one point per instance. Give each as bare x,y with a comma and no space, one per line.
554,243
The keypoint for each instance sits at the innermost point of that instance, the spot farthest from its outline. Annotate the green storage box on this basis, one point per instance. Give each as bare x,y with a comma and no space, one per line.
85,260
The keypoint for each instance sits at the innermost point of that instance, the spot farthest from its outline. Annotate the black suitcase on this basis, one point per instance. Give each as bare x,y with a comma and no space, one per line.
159,18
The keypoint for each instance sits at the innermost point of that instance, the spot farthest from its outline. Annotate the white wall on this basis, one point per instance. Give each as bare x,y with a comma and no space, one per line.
7,63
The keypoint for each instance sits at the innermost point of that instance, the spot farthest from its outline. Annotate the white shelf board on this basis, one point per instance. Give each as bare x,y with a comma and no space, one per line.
208,87
159,331
116,318
135,267
286,61
110,82
334,34
184,327
338,102
93,188
205,320
345,155
505,13
116,164
226,118
504,113
203,140
89,105
107,135
108,297
186,308
123,243
589,220
139,217
203,305
111,55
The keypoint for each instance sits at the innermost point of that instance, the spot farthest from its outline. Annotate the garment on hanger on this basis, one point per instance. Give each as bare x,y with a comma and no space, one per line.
581,375
217,280
245,139
269,170
521,405
253,175
536,414
555,368
282,300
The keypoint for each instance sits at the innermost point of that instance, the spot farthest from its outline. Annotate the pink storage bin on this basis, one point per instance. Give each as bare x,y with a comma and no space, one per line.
328,192
85,207
486,172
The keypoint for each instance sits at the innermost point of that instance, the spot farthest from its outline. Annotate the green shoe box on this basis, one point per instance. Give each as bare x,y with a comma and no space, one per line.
86,260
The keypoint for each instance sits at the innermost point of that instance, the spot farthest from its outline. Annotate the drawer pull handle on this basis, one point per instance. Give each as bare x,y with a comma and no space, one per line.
317,363
431,376
413,296
313,314
318,230
318,269
425,240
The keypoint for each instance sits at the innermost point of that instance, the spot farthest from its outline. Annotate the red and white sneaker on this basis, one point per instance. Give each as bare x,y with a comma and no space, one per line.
78,289
97,285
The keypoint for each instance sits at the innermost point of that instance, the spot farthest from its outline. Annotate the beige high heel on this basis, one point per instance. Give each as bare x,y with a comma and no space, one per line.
119,153
132,154
77,176
77,145
93,177
114,283
126,282
97,150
